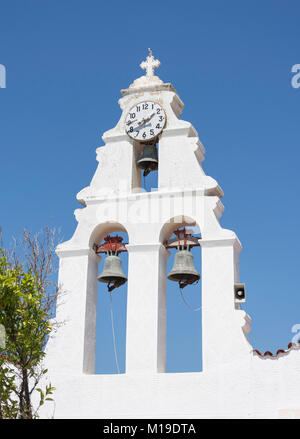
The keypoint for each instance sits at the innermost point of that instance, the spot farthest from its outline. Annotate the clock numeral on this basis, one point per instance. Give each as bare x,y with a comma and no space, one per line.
131,129
158,111
137,133
161,118
157,126
151,132
144,135
145,106
152,106
132,115
138,108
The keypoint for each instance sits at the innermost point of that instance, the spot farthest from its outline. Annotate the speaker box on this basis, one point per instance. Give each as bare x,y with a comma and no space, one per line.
239,293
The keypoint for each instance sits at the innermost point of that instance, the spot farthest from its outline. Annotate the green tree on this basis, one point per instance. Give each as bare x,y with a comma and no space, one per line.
26,306
8,404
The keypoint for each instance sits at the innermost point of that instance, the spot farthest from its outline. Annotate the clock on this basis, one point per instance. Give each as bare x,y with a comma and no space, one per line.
145,121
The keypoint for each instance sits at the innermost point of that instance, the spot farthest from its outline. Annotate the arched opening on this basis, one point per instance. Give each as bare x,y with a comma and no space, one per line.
184,313
110,355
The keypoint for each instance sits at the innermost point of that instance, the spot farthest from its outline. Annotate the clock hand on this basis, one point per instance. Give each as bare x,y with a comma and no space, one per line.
149,118
146,119
139,127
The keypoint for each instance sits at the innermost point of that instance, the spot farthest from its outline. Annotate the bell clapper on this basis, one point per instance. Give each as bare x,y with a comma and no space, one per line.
182,284
146,172
117,284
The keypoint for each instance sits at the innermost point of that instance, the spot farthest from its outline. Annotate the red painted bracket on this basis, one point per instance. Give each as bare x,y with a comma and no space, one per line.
111,244
182,239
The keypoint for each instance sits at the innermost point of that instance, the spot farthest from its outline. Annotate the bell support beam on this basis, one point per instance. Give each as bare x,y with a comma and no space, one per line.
146,309
76,310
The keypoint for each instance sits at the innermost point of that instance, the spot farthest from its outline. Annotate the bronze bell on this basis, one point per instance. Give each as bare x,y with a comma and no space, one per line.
149,159
112,272
183,270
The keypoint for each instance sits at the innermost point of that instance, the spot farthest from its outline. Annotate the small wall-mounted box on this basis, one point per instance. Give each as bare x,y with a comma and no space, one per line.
239,293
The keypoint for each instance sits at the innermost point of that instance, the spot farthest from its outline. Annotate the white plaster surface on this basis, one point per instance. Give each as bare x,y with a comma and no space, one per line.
235,382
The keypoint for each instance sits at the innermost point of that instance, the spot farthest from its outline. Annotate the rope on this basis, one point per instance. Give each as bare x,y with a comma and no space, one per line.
187,304
113,332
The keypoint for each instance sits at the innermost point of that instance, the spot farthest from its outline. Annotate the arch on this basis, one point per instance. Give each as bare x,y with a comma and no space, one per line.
175,223
104,229
184,327
104,343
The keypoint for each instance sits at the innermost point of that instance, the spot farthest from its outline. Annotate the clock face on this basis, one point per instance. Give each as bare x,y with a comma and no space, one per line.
145,121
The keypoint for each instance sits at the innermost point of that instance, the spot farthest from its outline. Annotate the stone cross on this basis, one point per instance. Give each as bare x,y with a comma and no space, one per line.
150,64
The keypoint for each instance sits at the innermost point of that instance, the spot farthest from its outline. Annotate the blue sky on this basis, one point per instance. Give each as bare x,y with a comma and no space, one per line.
230,62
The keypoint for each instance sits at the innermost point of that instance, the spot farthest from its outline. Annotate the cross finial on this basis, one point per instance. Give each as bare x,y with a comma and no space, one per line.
150,64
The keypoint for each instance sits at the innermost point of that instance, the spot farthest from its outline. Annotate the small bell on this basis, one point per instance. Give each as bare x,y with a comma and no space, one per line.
183,270
149,159
112,272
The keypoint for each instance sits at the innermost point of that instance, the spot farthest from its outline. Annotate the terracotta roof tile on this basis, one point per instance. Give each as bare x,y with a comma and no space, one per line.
291,346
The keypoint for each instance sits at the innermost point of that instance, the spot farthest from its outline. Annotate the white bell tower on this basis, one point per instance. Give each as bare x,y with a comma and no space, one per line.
114,201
